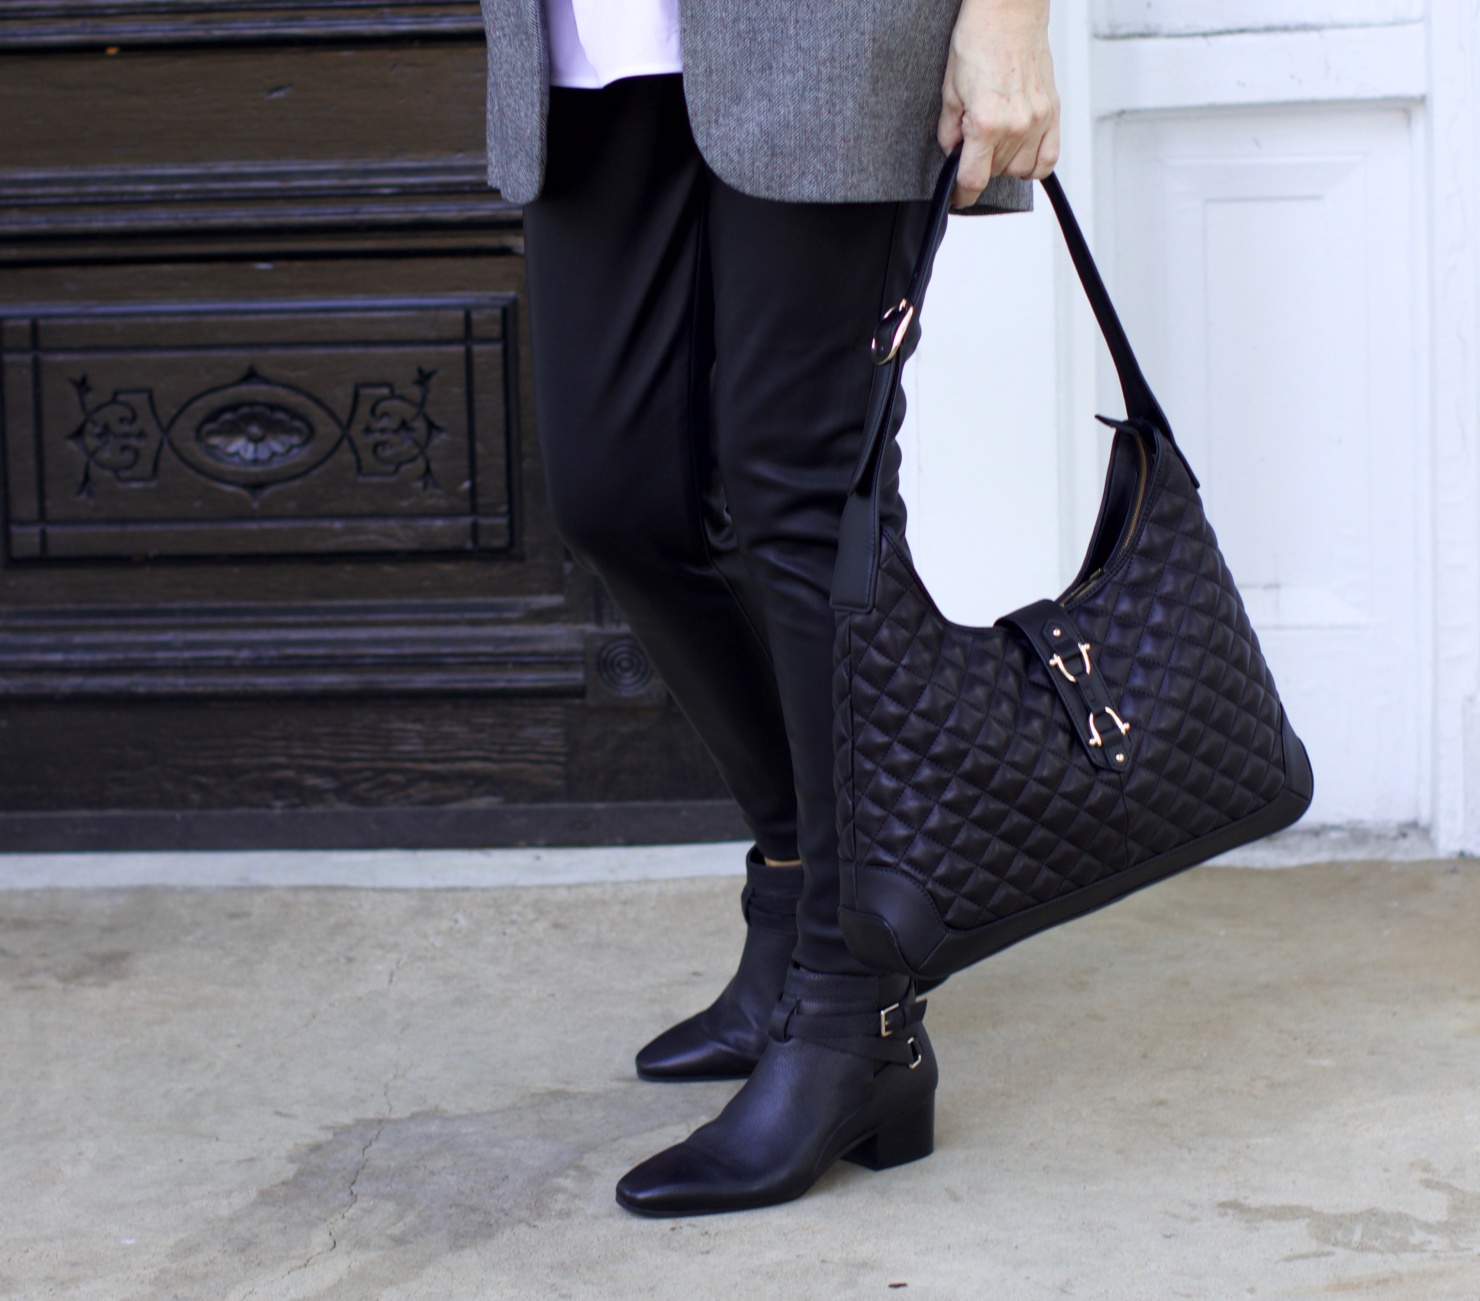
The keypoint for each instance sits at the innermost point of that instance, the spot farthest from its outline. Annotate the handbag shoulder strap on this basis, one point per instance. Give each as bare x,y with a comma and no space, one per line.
894,341
1140,401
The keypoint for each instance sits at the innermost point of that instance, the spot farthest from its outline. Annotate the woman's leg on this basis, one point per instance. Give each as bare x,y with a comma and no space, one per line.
798,291
620,316
849,1071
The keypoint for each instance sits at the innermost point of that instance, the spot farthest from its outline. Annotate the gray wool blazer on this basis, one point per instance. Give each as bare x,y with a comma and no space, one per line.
800,100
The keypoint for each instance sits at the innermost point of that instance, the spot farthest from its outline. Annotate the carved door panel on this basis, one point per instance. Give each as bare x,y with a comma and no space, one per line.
276,563
353,427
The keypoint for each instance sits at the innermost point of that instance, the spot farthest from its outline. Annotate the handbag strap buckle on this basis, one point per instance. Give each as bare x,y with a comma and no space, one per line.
1057,662
1075,671
890,333
1094,732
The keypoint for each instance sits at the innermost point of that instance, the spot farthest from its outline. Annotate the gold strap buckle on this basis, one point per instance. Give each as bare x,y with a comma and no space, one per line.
884,1031
884,347
1094,732
1058,663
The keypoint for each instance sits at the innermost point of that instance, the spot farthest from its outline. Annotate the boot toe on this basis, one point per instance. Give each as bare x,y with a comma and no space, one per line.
680,1180
690,1051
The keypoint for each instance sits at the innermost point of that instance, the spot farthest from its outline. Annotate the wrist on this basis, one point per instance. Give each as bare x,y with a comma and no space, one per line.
1020,15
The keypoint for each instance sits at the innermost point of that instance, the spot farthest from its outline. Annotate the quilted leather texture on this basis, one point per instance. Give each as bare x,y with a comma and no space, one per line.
957,765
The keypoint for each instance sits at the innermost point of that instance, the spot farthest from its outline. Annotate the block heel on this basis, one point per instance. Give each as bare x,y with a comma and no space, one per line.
905,1138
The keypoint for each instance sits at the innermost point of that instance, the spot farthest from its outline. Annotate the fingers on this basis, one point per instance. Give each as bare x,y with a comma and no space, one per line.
962,198
956,128
1034,154
975,170
1048,151
1008,145
950,132
1000,135
1026,147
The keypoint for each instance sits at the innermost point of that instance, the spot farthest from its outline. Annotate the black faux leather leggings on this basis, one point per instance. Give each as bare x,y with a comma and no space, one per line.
701,369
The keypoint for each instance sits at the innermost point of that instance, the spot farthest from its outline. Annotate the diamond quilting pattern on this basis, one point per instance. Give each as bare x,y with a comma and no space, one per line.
957,766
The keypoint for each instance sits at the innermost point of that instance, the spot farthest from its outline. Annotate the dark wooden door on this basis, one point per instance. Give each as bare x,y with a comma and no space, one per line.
276,564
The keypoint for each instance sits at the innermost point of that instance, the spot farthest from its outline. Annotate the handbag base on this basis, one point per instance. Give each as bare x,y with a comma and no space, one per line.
931,949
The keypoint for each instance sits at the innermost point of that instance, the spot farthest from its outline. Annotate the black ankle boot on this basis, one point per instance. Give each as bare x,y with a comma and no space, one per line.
724,1041
848,1072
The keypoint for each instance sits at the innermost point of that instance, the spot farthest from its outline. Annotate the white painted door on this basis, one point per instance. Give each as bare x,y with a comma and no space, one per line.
1281,198
1266,265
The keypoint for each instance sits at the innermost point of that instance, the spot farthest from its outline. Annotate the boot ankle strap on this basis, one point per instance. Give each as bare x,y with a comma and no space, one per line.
884,1035
767,911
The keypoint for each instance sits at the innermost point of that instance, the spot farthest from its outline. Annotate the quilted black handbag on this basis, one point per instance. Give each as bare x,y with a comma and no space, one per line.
993,782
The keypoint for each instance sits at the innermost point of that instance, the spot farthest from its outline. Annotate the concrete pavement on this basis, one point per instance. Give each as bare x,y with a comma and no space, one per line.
1240,1083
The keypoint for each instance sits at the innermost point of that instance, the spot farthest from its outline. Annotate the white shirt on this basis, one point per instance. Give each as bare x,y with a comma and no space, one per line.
595,42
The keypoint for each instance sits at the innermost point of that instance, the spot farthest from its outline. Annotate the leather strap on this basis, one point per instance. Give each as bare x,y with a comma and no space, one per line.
894,341
768,912
890,366
884,1035
1071,663
1140,402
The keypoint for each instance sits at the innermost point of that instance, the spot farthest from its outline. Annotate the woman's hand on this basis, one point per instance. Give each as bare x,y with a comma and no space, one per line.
999,95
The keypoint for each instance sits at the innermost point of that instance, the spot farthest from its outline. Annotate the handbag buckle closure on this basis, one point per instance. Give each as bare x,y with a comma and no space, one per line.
885,346
1094,732
1058,663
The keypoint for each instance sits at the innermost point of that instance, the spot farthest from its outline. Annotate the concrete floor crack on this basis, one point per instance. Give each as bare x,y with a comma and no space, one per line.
330,1228
352,1188
395,970
354,1181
